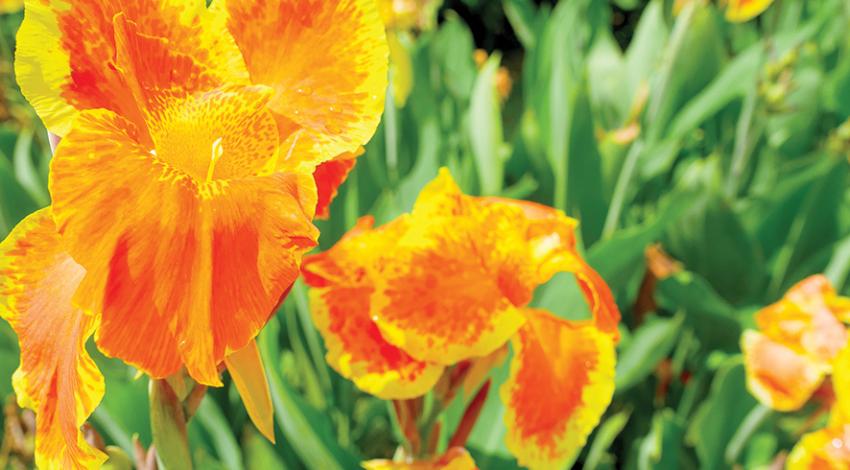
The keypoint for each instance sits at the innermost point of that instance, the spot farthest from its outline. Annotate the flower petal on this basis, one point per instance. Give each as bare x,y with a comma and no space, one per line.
327,64
455,458
561,382
778,376
56,378
248,373
183,270
329,176
65,59
740,11
340,301
826,449
804,320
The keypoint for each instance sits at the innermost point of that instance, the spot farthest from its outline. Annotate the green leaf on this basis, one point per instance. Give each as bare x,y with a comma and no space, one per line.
717,420
168,426
307,428
649,344
224,443
485,129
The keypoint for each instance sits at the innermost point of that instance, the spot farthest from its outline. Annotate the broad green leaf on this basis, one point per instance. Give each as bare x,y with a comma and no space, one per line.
649,344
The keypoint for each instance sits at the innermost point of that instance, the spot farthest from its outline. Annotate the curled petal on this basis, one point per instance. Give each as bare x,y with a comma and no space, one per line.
56,378
778,376
327,65
805,320
740,11
455,458
184,270
561,382
66,49
329,176
340,304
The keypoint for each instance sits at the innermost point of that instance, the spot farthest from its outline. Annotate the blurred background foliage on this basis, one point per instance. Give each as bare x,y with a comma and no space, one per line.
658,124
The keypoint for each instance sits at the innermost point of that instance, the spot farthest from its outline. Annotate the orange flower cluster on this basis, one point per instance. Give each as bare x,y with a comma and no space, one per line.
801,340
450,284
198,143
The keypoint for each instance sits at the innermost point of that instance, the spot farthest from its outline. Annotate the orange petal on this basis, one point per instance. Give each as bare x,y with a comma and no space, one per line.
826,449
249,375
453,288
455,458
778,376
340,301
327,63
561,382
184,269
65,60
551,235
329,176
739,11
56,378
804,320
841,386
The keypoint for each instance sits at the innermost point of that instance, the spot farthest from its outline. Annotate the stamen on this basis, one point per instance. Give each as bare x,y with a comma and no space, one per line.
217,152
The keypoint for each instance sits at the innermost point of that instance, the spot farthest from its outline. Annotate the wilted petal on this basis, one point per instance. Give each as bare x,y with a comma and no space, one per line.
561,382
329,176
56,378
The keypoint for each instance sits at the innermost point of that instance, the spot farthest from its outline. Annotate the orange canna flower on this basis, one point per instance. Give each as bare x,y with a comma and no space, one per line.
450,284
798,340
194,152
739,11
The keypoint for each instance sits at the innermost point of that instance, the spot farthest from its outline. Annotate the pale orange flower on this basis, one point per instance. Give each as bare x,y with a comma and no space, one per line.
799,337
450,283
183,188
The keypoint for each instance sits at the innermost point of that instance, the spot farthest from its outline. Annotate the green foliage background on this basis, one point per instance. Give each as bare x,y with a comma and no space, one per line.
739,170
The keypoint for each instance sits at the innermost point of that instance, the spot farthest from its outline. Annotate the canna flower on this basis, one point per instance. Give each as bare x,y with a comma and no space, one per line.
196,144
829,448
739,11
797,343
445,288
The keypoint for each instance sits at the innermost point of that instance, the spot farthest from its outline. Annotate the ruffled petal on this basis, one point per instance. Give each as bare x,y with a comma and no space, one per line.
340,304
66,53
56,378
454,459
327,65
778,376
804,320
184,269
561,382
457,280
329,176
744,10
